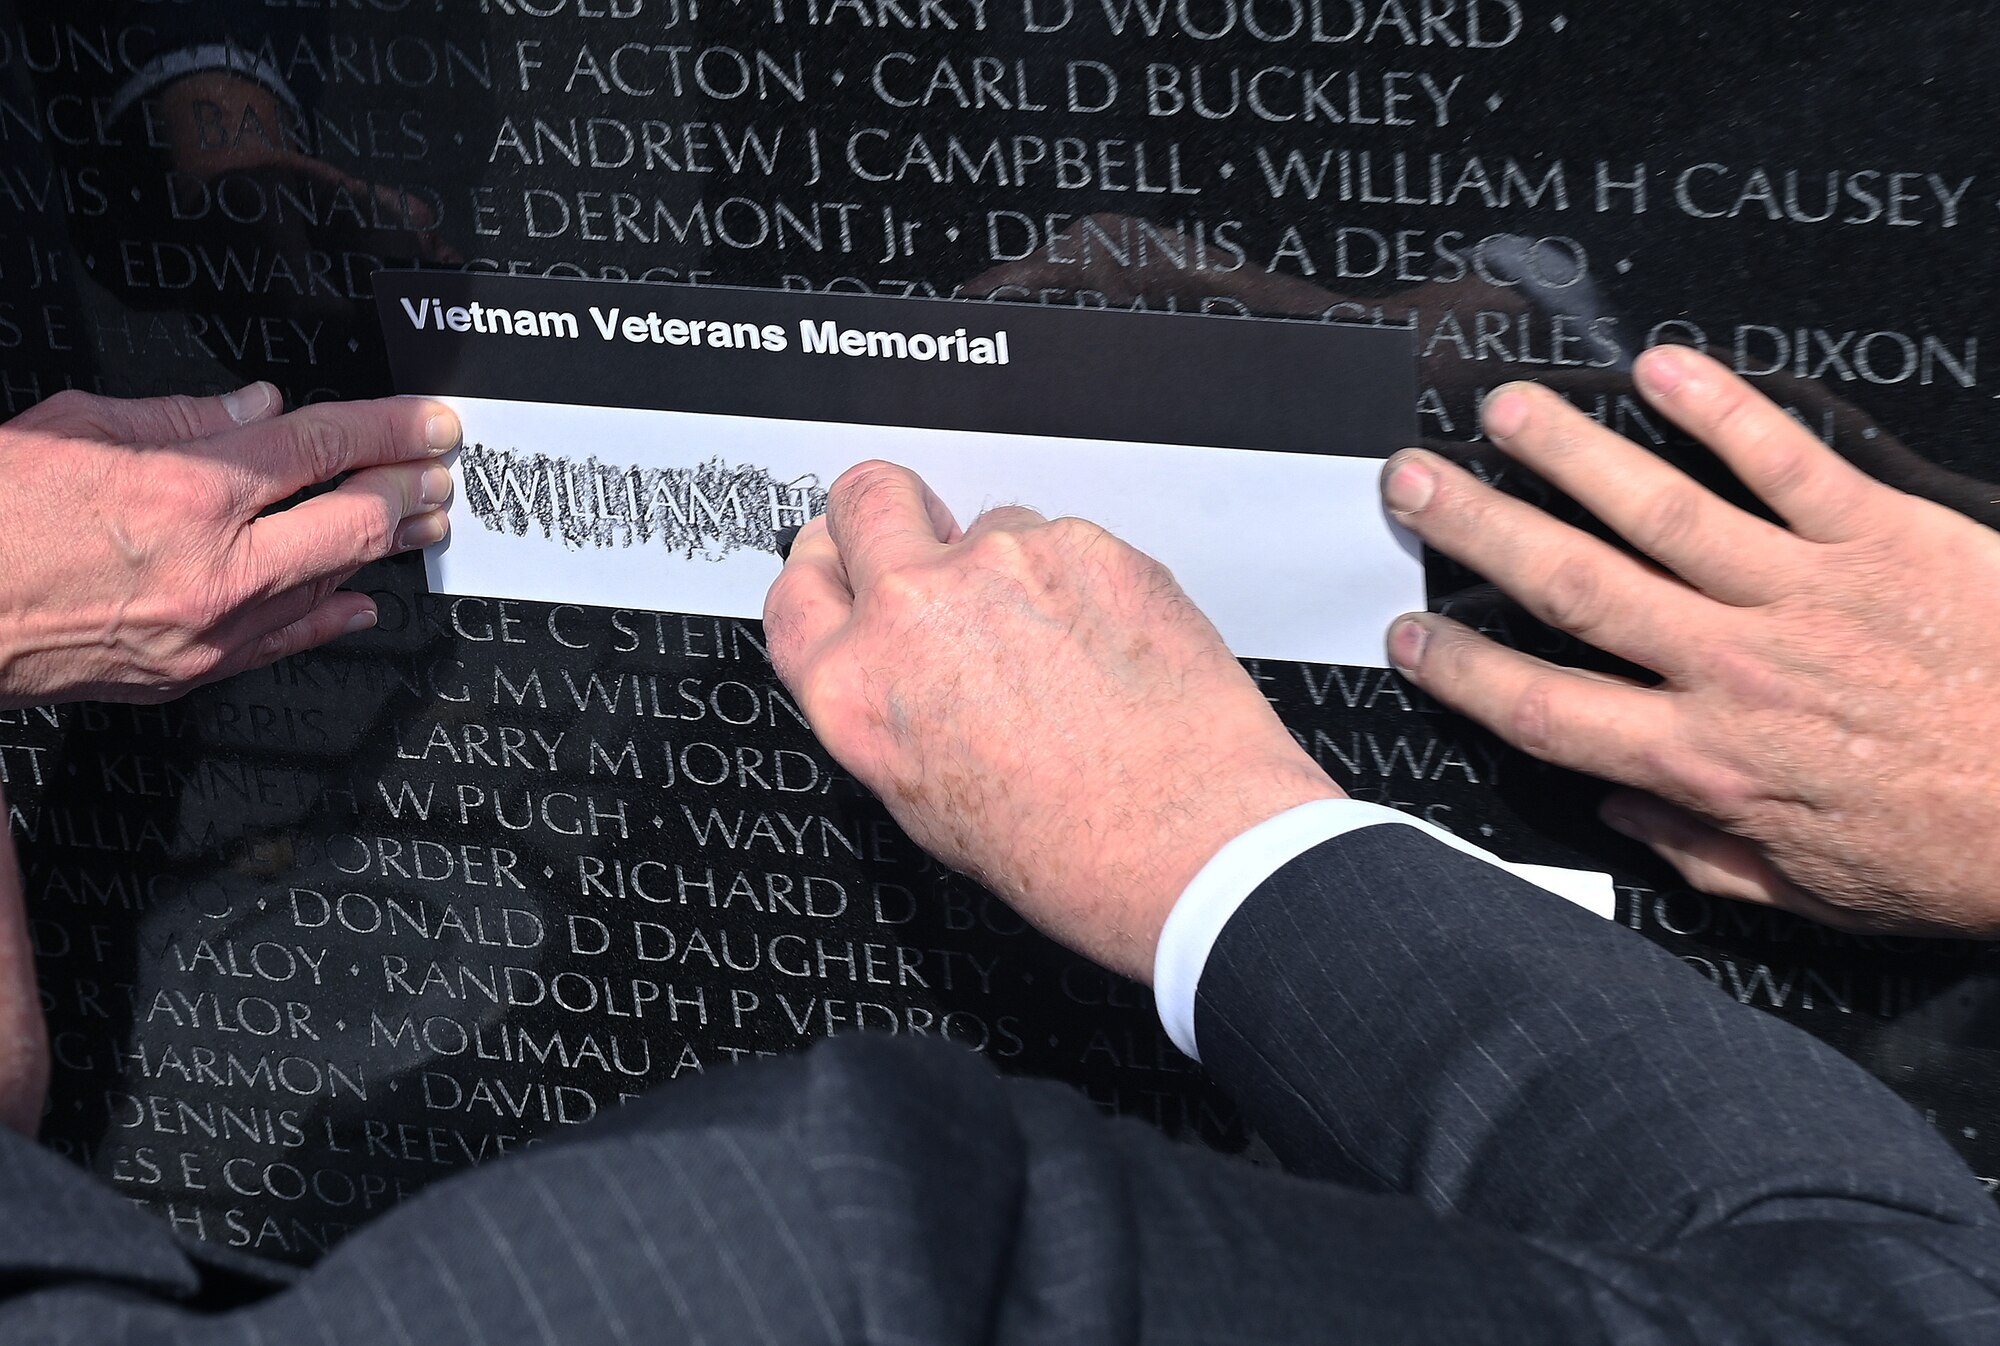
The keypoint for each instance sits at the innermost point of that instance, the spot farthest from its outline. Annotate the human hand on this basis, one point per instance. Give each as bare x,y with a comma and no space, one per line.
133,561
24,1035
1856,435
1037,704
1821,738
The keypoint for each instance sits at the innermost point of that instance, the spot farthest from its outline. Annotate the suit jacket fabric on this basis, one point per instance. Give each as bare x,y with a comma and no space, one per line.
1584,1142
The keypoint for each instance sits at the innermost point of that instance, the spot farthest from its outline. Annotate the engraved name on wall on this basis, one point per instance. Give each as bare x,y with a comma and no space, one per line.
320,935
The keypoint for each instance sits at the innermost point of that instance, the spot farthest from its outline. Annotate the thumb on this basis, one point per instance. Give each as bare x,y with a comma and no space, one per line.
174,419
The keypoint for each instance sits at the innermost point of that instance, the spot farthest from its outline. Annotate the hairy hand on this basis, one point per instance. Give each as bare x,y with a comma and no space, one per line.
24,1036
1821,737
134,564
1038,705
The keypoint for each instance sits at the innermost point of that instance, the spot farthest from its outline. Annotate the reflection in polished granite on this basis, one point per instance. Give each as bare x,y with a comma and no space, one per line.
317,936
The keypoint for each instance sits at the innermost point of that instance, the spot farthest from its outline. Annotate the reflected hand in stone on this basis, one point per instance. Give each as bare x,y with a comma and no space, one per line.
1852,431
1038,705
134,563
24,1036
1821,738
218,123
1880,454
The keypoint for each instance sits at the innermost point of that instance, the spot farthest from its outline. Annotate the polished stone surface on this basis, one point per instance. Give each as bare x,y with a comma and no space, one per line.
322,934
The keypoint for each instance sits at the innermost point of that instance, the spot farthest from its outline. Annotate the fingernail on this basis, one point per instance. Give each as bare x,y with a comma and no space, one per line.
1661,370
420,531
436,486
441,433
1506,411
784,541
1408,639
360,621
1409,486
253,401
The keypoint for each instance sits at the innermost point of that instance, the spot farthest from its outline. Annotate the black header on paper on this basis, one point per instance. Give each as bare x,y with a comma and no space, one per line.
1294,387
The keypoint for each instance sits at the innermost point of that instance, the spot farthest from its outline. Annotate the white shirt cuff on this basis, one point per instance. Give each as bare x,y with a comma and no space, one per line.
1237,870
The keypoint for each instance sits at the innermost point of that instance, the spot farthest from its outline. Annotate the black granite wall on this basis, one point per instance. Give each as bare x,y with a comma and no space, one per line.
317,936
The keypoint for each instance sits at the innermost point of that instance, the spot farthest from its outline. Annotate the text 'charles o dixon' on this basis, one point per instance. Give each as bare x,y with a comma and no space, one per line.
825,337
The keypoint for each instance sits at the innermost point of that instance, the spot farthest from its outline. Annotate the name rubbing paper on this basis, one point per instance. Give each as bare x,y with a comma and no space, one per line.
635,445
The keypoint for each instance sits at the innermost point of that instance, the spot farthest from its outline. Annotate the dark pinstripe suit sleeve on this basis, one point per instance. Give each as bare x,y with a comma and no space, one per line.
1405,1018
1602,1148
879,1190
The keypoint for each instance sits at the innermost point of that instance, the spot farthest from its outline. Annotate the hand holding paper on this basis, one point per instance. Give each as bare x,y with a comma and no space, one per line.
643,445
146,518
1038,705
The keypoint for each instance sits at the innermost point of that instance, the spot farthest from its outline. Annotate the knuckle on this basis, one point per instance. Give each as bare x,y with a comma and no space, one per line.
1672,518
864,496
1747,675
1001,549
180,415
1531,719
271,647
302,602
1679,770
1131,556
1462,512
1017,517
1572,596
320,440
184,492
1732,410
900,592
1787,469
1072,534
322,590
863,480
193,663
74,412
1454,663
1554,430
375,528
1708,787
74,404
1162,586
829,694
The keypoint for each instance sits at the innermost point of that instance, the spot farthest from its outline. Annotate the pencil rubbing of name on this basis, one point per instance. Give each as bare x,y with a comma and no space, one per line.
707,510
